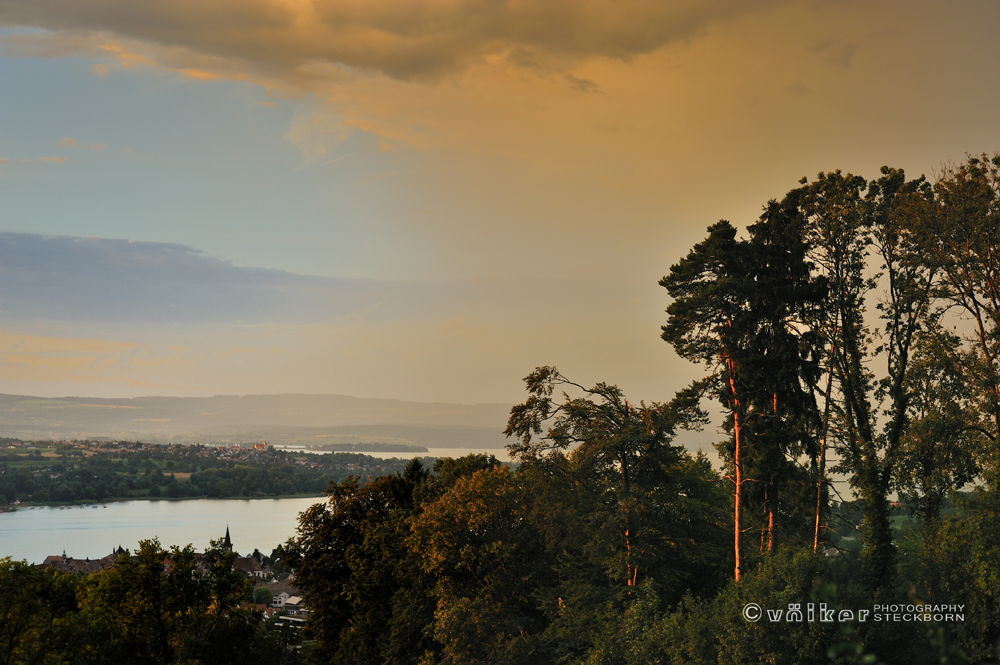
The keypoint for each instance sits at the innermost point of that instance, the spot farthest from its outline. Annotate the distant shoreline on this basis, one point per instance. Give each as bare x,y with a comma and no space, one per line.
88,473
91,504
353,448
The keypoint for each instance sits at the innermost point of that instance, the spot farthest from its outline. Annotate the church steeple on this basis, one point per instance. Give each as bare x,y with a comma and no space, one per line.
227,543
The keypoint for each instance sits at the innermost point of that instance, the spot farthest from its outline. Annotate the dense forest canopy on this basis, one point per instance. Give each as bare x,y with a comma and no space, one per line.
853,329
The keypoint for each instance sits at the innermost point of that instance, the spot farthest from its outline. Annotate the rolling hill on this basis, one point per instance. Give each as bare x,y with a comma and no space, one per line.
282,419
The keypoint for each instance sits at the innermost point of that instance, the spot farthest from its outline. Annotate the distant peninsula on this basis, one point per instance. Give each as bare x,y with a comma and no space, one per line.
69,472
361,447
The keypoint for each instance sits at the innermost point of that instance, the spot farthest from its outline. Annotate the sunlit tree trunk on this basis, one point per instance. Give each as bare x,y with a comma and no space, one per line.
822,459
738,471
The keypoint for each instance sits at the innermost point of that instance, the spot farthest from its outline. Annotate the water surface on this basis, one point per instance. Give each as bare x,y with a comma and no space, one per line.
84,531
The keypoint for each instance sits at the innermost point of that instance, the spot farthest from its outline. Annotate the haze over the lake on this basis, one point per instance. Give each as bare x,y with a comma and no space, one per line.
425,200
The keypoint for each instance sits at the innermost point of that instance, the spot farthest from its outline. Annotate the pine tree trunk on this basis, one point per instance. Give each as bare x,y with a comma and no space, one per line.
822,460
771,536
738,463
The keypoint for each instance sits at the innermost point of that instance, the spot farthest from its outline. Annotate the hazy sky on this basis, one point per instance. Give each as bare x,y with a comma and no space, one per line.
425,199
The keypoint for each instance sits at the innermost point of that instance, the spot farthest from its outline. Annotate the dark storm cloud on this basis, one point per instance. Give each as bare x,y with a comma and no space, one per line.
401,38
103,280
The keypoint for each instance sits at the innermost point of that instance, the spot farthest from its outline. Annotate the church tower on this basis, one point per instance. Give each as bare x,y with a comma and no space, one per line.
227,543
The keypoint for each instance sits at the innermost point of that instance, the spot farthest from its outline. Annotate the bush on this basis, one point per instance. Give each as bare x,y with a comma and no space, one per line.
262,595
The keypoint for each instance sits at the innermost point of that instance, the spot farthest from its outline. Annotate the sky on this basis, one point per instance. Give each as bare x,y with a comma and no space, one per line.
426,199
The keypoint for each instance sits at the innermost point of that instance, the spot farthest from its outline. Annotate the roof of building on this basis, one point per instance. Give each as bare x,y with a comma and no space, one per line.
247,564
278,587
71,565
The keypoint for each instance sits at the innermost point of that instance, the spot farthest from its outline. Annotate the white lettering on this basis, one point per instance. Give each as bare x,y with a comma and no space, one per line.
794,613
923,612
825,615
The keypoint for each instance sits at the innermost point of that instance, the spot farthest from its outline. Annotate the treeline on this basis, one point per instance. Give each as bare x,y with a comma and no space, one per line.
140,471
476,563
861,318
156,606
558,562
854,330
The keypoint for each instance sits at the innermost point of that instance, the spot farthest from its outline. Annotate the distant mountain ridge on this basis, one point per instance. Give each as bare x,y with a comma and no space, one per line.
287,418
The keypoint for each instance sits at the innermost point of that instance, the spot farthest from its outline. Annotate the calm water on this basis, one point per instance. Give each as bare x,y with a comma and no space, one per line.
83,531
93,532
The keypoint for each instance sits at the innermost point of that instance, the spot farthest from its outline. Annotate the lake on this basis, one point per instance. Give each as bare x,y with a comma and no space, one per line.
83,531
34,533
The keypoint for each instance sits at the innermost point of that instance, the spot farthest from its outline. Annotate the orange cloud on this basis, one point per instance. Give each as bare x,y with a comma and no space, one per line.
73,143
150,357
34,344
388,130
519,76
125,56
40,160
402,38
31,362
235,351
42,359
200,75
660,116
26,357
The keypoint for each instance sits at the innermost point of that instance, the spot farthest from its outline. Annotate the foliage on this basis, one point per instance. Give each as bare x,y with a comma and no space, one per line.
477,543
606,541
622,457
39,615
160,606
155,606
356,574
262,595
747,310
957,564
135,470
